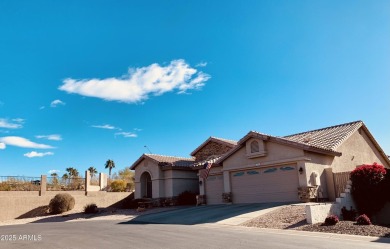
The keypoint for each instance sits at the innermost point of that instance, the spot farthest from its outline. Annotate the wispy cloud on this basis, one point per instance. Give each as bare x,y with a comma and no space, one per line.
38,154
2,146
201,64
53,137
23,142
56,102
126,134
106,126
11,124
139,83
137,129
42,107
54,171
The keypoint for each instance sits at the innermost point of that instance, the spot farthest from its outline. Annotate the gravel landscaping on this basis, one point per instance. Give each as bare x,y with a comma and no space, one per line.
293,217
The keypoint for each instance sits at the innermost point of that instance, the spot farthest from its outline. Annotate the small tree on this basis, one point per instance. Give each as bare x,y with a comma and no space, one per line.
368,182
109,165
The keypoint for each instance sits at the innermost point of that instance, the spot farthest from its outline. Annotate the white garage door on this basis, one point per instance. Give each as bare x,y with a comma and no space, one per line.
214,189
271,184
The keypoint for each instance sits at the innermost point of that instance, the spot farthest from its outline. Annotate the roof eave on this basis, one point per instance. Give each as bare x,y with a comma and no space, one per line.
187,168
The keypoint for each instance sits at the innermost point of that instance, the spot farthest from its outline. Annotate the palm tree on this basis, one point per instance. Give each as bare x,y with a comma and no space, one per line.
54,174
110,165
72,172
92,170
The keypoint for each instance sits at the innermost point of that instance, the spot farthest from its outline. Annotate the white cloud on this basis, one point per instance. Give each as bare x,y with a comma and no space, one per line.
137,129
139,83
106,126
126,134
2,146
38,154
53,171
53,137
56,102
23,142
201,64
13,124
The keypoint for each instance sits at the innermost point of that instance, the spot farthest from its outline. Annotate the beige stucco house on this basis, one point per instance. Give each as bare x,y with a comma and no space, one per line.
263,168
165,177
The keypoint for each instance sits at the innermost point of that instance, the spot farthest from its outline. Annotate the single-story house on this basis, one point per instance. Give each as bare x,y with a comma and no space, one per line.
166,177
262,168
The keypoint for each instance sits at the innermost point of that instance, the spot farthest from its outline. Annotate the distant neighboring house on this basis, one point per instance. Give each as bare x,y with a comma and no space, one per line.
161,177
262,168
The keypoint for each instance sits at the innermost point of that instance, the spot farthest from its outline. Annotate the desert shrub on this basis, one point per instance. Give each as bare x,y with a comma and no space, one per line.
5,187
186,198
368,182
91,208
331,220
349,214
61,203
118,186
363,220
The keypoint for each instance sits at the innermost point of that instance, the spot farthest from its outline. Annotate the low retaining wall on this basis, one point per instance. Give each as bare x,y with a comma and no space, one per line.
316,213
14,204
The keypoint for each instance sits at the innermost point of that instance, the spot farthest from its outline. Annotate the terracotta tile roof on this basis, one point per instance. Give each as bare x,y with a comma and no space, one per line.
325,140
170,160
328,138
175,161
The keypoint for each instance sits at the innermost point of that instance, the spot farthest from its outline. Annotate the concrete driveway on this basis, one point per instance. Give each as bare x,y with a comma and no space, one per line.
234,214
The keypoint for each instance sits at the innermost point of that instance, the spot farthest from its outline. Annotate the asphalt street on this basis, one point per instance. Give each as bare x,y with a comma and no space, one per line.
111,234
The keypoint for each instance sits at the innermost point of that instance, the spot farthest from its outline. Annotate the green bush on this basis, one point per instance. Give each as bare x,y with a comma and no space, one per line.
91,208
187,198
118,186
61,203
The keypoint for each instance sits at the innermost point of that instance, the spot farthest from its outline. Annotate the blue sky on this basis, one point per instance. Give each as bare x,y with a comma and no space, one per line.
86,81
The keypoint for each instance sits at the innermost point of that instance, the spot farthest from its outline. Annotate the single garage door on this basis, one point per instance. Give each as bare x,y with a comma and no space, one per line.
214,189
271,184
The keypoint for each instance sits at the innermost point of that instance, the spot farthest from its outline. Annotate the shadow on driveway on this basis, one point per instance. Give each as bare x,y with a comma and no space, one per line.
200,214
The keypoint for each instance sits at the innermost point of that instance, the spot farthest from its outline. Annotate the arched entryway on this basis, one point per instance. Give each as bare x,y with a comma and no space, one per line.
146,185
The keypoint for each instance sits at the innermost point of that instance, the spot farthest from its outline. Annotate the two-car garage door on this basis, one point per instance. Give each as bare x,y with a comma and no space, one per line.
272,184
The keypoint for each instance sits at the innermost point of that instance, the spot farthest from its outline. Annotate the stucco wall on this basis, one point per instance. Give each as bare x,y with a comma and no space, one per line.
157,175
274,151
181,185
317,164
16,203
148,166
357,150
